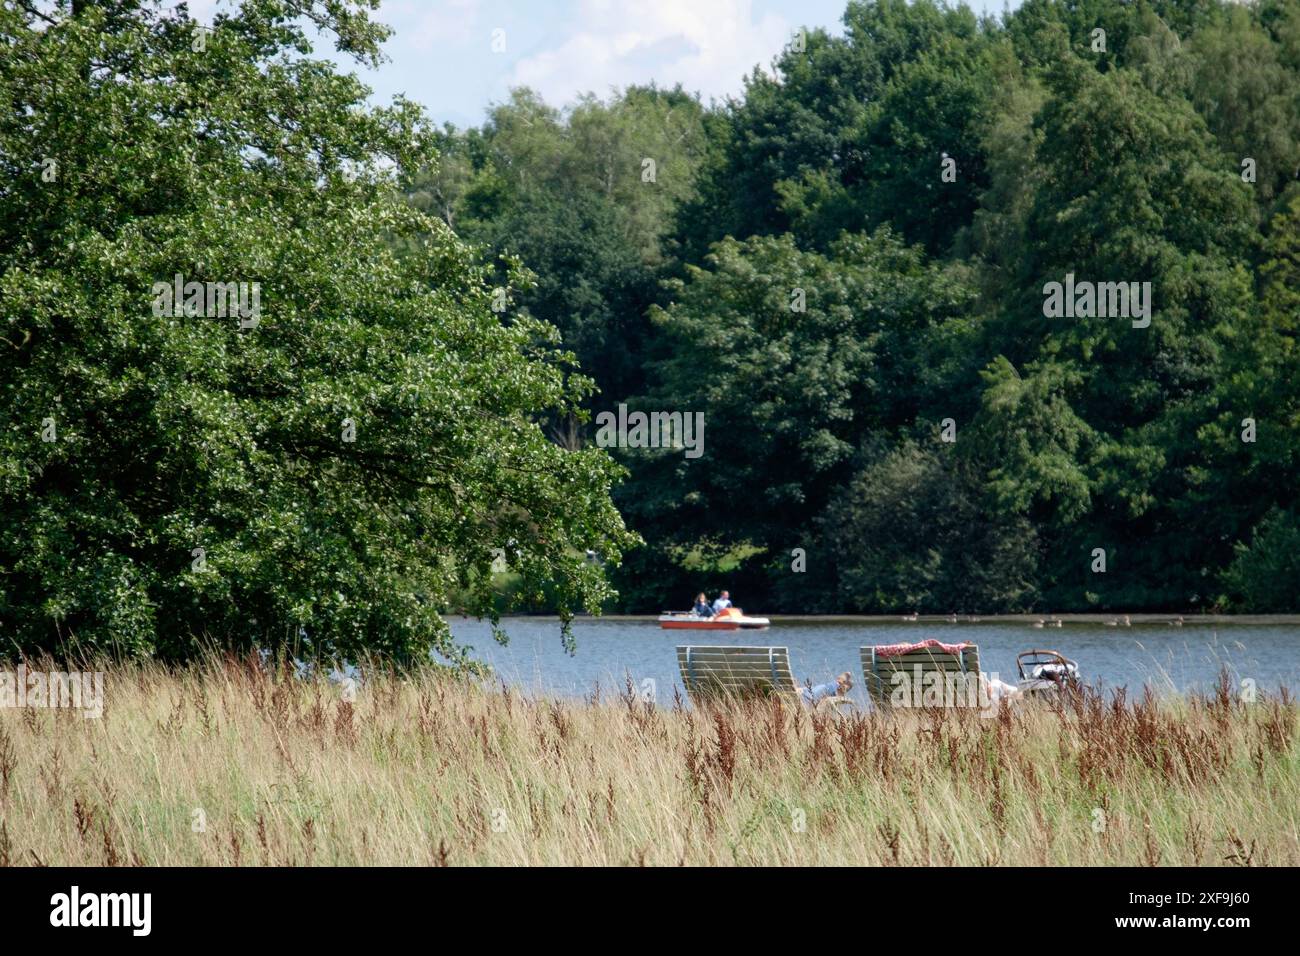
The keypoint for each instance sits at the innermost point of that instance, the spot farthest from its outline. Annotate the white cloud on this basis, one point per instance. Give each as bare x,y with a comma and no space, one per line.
706,45
425,25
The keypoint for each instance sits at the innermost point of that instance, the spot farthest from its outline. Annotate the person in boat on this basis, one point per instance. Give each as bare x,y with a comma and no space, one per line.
819,692
723,602
702,608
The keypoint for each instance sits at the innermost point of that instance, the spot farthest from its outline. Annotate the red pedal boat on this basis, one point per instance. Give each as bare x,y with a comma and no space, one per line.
728,619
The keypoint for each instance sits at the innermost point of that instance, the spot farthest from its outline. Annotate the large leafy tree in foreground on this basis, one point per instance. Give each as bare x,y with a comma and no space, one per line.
329,473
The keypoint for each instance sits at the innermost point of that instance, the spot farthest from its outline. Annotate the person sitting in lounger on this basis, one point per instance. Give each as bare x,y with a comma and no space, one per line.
1000,690
702,608
836,688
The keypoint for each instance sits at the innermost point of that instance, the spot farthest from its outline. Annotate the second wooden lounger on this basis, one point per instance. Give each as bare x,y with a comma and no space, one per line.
904,672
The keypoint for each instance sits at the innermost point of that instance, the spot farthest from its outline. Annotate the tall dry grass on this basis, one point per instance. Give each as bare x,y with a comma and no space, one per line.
232,764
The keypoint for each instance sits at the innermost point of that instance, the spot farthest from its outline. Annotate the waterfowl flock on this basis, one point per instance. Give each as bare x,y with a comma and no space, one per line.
1051,620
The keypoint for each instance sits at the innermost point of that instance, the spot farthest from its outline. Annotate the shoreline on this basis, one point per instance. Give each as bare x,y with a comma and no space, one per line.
1198,620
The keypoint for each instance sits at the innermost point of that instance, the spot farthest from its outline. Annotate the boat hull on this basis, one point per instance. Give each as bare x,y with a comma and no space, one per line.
729,619
698,625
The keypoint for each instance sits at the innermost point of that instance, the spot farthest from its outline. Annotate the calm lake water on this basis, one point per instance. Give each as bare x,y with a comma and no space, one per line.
1164,656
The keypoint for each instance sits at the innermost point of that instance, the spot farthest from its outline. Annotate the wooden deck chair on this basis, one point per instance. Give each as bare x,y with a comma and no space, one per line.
959,672
714,672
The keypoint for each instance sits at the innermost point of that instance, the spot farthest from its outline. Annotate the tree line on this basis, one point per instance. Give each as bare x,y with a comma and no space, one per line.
842,273
845,269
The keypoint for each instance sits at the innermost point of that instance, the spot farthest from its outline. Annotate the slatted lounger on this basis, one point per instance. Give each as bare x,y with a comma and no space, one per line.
710,673
954,661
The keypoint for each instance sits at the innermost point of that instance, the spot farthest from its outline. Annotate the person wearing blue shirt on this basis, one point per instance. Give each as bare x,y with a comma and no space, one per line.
702,608
819,692
723,602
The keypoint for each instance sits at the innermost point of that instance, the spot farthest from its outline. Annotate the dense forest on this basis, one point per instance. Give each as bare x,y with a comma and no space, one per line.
847,271
978,314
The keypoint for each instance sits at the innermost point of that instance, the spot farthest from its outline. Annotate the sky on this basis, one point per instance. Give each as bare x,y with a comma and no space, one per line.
447,55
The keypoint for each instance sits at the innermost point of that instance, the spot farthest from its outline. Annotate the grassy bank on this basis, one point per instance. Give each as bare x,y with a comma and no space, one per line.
229,764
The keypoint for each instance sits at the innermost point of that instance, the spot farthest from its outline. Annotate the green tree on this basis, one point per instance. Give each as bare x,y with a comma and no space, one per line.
322,473
1251,448
913,157
1249,98
1132,189
1265,575
586,198
915,529
788,127
846,132
794,358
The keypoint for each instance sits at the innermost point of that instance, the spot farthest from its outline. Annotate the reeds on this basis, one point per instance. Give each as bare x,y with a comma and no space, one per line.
232,763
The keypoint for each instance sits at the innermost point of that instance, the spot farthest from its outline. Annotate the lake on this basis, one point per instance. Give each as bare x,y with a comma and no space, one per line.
1162,655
